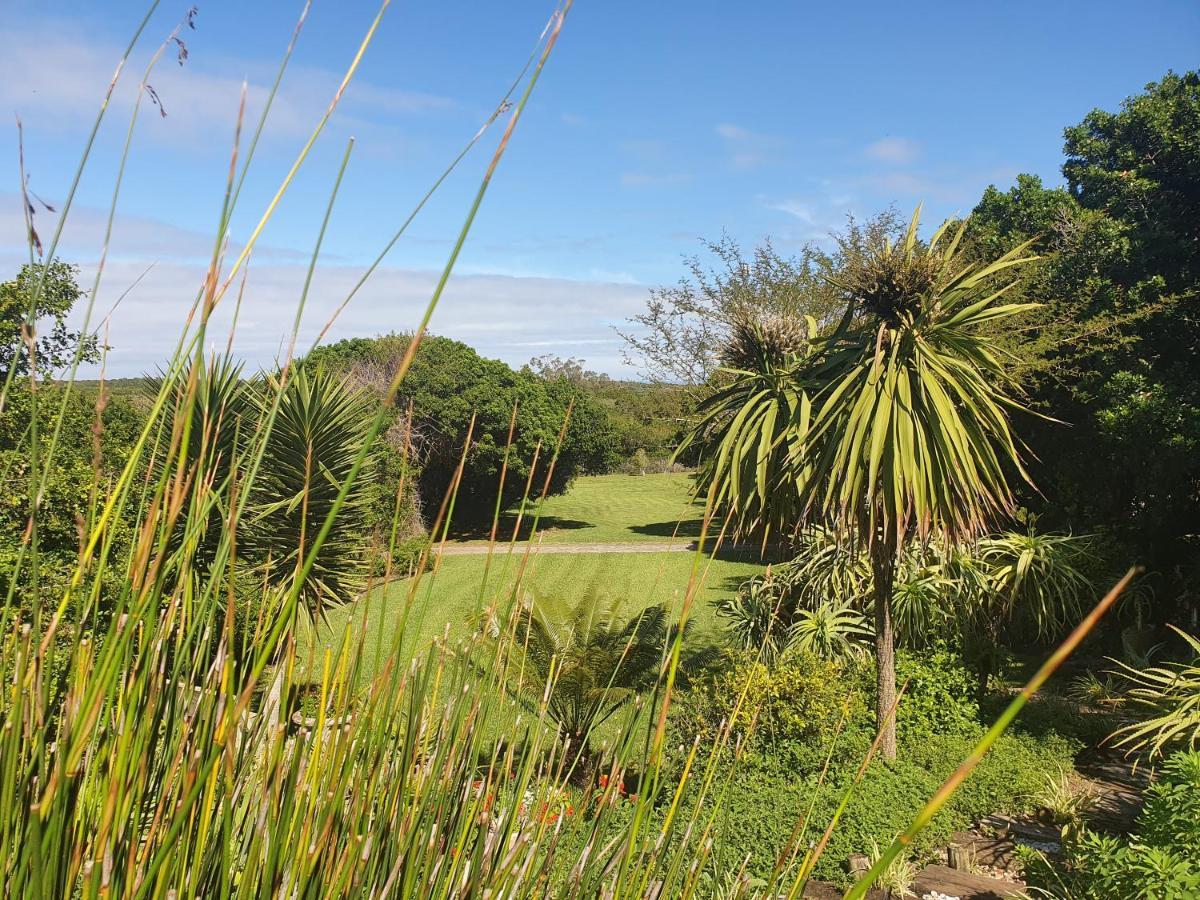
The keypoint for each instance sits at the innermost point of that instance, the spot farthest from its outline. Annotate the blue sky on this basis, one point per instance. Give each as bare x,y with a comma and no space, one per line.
655,125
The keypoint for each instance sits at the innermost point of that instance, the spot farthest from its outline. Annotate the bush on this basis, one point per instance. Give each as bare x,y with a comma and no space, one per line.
764,802
940,697
1160,861
93,445
449,383
799,700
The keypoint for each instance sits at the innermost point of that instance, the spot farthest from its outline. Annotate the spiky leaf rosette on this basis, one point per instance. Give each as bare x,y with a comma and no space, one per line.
1168,699
894,423
319,428
911,434
586,663
201,436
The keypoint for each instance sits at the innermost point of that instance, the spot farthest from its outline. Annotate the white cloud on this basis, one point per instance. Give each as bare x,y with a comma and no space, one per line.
133,236
509,316
500,316
54,75
733,132
802,211
896,151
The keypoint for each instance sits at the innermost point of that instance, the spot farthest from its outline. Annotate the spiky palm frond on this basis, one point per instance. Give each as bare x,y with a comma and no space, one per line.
895,421
587,663
833,570
749,430
318,430
832,631
1036,580
757,616
203,426
1169,695
912,433
922,596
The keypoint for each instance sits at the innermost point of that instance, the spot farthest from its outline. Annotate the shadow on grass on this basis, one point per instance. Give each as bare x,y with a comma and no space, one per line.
688,528
508,522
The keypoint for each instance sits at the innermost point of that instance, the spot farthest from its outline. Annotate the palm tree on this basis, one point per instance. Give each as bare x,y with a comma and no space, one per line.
891,427
586,665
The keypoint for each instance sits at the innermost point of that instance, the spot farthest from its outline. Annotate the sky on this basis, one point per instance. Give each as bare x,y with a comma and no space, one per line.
655,126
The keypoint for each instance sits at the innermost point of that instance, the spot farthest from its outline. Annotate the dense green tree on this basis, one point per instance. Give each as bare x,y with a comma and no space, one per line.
1115,347
51,290
647,418
96,437
449,383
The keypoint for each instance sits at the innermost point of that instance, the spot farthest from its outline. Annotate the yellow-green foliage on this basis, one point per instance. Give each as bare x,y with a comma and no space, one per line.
802,696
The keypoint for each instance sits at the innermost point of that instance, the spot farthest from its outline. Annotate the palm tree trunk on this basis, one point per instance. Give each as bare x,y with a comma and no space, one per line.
883,567
583,770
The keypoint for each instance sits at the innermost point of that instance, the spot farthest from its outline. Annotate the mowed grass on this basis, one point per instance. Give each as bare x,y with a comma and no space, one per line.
613,509
448,602
602,509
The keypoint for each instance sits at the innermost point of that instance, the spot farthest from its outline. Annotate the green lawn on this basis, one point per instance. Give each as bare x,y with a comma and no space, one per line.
614,509
605,509
626,581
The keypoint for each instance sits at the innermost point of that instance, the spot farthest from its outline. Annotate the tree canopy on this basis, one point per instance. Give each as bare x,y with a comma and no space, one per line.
51,289
1115,347
447,385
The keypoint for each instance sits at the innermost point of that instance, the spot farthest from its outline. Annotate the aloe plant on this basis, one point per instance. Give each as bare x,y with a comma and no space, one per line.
1168,697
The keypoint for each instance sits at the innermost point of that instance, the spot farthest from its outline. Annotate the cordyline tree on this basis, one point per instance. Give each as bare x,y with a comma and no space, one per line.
888,428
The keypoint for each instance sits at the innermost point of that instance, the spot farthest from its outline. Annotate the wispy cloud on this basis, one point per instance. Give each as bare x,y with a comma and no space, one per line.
896,151
502,315
796,208
748,149
645,148
54,75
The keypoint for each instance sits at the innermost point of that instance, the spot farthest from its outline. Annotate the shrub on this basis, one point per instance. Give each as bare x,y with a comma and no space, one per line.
1160,861
764,802
941,693
448,384
800,699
